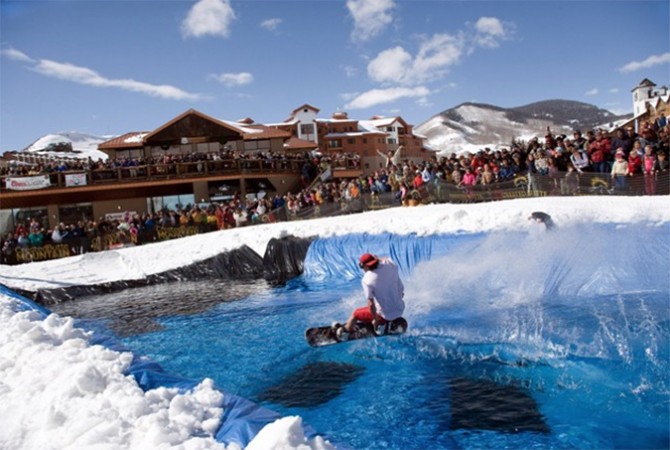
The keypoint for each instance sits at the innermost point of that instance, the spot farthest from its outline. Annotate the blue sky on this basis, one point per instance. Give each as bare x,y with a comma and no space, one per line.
110,67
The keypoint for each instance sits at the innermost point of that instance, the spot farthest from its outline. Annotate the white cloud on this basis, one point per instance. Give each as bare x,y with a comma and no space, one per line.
89,77
347,96
435,55
391,65
16,55
490,30
614,91
208,17
371,17
592,92
271,24
651,61
490,25
380,96
233,79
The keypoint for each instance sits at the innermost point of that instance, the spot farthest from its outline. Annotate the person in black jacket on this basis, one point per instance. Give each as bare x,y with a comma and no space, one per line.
542,217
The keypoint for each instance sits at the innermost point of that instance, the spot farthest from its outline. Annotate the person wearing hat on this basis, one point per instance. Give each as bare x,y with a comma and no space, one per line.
383,290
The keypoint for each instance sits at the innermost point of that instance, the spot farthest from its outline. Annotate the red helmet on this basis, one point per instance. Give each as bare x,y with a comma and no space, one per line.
368,260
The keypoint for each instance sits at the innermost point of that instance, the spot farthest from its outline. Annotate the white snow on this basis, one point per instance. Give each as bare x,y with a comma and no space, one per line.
57,391
84,145
136,138
466,136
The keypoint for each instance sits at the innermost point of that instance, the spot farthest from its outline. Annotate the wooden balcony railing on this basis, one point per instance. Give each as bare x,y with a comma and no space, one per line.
179,170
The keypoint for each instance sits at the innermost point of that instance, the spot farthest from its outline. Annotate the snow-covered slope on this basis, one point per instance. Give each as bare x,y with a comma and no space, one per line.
82,145
470,127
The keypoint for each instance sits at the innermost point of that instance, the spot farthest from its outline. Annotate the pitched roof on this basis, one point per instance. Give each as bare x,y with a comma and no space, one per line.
306,105
246,130
264,132
134,139
295,143
645,83
386,121
191,113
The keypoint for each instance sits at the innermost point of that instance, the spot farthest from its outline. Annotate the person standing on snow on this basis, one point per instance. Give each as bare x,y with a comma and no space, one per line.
383,290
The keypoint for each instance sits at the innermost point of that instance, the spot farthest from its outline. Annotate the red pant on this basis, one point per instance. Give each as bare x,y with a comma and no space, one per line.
364,315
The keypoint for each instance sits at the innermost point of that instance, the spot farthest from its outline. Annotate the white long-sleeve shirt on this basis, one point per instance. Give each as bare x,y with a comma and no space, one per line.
620,167
384,286
580,162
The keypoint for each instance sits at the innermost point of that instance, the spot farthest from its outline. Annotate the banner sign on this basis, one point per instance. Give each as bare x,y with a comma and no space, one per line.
43,253
28,183
75,179
120,216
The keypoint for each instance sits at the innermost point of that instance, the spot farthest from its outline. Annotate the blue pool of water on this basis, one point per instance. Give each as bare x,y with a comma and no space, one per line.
521,340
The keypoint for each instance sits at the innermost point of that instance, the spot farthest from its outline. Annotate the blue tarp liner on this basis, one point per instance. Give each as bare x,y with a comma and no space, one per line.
338,256
242,419
24,304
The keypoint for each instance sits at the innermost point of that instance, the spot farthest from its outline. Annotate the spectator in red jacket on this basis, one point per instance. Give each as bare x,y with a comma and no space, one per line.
634,161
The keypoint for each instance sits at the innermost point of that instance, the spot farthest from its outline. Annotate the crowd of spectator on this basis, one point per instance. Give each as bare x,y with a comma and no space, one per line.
45,164
237,212
560,159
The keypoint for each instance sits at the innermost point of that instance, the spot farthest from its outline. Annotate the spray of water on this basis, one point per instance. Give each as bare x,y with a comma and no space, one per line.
585,290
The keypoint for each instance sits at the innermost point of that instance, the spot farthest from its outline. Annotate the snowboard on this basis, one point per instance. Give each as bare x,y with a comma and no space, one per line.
321,336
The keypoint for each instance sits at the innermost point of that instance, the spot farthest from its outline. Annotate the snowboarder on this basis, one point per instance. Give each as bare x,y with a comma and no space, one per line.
383,290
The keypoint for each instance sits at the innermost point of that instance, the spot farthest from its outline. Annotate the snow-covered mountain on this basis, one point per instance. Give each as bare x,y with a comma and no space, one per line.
69,145
473,126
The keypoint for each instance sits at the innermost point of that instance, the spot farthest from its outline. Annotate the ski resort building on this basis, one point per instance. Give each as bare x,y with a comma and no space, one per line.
650,102
341,135
196,158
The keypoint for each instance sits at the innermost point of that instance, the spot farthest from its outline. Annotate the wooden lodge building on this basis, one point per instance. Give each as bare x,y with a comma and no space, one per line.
191,162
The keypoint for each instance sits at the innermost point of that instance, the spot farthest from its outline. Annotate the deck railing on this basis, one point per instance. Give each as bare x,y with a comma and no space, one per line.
155,172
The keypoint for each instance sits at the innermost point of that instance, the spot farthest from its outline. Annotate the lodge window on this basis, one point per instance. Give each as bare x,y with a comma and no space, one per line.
334,143
307,128
263,144
174,202
130,154
24,215
351,141
75,213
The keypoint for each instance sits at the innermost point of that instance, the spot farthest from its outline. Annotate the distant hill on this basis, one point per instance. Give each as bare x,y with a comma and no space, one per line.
69,145
472,126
